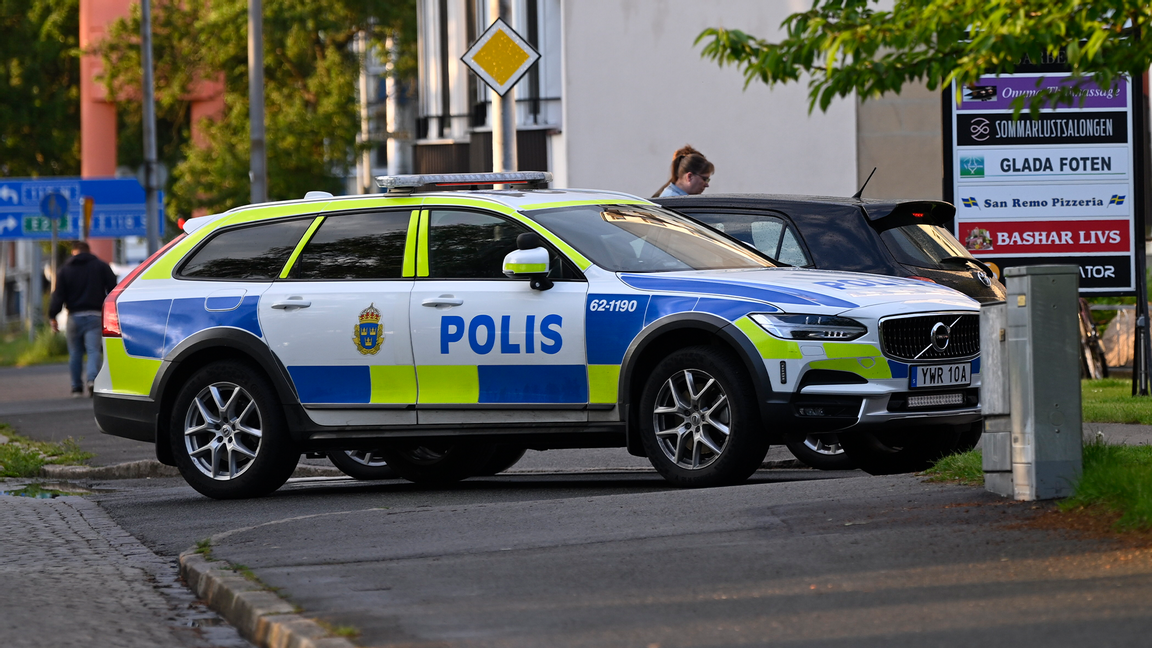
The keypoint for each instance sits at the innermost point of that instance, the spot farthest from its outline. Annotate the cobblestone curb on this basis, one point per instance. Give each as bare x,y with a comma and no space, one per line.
261,616
150,468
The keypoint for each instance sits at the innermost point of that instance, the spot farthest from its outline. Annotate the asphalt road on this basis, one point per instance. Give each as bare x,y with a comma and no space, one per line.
570,556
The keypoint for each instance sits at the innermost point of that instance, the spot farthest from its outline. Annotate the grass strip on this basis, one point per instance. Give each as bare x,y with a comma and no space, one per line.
1117,479
21,457
964,468
1111,401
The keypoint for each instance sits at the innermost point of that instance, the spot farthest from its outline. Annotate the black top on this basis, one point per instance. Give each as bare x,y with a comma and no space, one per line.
81,284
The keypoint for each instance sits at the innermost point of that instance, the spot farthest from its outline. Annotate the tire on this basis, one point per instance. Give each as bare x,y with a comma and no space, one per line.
503,458
699,421
823,452
902,451
366,465
228,434
438,462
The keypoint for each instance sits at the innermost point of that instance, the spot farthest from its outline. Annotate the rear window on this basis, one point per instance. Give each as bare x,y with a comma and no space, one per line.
924,246
256,253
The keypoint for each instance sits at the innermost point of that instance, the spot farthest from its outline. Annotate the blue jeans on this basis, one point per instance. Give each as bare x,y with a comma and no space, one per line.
84,332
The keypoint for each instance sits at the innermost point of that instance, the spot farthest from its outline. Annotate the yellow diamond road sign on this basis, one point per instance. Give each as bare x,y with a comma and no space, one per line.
500,57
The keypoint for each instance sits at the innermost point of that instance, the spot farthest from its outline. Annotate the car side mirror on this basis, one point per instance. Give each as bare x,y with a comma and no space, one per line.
531,261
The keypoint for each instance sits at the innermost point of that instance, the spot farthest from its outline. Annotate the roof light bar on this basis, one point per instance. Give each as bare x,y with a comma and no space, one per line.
409,183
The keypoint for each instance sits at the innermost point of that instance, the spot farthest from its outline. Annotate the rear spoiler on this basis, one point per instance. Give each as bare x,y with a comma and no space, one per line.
917,212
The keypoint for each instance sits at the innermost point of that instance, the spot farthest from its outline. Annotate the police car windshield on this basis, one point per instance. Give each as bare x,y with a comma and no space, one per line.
635,238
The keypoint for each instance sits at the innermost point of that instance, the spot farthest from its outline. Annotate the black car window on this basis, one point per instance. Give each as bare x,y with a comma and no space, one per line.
471,245
252,253
355,246
923,246
769,234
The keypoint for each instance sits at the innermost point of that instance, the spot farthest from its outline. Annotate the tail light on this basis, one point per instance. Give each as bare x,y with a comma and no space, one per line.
111,315
917,278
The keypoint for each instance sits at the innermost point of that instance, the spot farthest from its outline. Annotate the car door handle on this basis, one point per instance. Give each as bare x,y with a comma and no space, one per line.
291,302
442,300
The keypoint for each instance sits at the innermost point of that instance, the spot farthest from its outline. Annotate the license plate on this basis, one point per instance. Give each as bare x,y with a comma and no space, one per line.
941,375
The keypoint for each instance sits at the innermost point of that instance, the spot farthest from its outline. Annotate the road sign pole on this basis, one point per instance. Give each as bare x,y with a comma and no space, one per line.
52,259
151,201
258,161
503,108
35,290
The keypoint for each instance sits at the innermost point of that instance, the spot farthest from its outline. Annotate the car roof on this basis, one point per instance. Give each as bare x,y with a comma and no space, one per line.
518,199
875,209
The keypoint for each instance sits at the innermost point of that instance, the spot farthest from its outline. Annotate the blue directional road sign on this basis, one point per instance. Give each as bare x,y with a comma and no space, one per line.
118,207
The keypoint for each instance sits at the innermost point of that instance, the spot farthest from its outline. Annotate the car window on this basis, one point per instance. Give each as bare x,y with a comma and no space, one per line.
769,234
355,246
472,245
251,253
634,238
923,246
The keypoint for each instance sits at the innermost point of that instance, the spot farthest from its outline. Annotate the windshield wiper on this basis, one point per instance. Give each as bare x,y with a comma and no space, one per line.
966,261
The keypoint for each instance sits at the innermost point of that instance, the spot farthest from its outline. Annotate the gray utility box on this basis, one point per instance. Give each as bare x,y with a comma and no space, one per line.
1040,356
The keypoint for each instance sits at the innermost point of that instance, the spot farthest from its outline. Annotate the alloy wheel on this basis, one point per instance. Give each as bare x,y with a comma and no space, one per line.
692,418
223,431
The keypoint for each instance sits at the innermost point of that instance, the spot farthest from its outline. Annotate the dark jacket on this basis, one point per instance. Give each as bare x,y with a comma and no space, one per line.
81,284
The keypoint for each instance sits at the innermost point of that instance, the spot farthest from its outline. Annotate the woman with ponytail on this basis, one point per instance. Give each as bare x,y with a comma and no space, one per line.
691,172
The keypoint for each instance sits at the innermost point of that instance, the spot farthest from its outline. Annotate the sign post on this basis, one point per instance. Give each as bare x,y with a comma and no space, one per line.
1063,187
500,57
54,207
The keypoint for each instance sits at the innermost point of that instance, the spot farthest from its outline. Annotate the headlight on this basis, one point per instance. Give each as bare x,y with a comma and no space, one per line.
811,327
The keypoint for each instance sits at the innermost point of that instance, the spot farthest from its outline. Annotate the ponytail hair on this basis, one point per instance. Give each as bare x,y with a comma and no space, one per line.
686,160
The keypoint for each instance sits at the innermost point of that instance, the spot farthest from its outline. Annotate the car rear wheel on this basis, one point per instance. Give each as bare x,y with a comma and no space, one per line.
900,451
438,462
503,458
228,434
822,451
365,465
698,419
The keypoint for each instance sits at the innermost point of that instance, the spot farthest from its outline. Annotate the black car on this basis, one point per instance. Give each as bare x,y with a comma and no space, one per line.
898,238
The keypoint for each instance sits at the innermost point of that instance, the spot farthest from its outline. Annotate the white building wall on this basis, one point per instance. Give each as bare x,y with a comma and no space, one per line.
635,89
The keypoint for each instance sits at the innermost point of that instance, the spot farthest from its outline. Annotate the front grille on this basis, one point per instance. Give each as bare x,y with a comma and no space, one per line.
910,338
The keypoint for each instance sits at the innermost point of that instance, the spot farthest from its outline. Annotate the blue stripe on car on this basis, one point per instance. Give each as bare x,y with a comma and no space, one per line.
142,326
328,384
533,383
732,288
190,316
609,332
663,305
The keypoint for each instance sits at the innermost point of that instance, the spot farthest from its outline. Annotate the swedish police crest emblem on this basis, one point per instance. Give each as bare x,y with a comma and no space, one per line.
367,334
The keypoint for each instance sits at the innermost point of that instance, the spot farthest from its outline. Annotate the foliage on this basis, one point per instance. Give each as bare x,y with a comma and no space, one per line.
848,46
966,468
47,347
21,457
1117,479
39,87
310,71
1111,401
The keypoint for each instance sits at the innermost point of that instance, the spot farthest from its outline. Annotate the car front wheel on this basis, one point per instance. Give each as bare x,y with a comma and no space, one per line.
698,419
366,465
821,451
228,435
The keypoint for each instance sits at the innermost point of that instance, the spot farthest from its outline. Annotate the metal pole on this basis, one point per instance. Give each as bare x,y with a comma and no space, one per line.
364,182
258,165
1142,353
35,289
503,108
52,259
151,197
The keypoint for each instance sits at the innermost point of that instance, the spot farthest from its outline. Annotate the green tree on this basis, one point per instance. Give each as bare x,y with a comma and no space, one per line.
848,46
39,87
310,72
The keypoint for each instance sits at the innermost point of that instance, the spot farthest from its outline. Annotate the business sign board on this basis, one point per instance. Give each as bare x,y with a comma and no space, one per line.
1055,188
118,207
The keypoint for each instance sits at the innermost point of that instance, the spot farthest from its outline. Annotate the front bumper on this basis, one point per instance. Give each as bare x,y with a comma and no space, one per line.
130,417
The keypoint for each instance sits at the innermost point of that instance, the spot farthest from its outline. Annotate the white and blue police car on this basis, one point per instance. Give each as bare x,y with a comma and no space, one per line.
444,332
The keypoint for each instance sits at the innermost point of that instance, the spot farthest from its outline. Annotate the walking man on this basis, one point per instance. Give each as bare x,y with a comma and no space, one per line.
81,285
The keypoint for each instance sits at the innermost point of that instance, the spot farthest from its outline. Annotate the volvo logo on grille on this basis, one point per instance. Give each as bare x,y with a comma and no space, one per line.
941,333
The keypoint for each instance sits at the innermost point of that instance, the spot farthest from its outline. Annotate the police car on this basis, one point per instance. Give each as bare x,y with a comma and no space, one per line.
443,332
